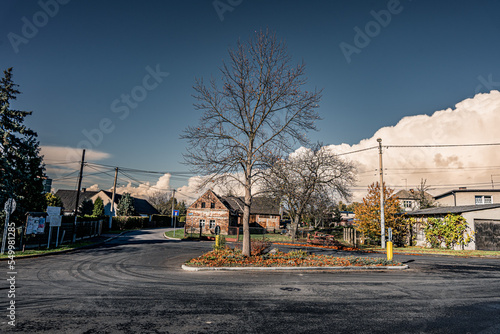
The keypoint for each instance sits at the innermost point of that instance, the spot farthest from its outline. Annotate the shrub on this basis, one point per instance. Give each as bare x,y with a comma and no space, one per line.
450,230
260,247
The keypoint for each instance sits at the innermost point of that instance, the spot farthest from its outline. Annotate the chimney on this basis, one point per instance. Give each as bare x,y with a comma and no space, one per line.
462,188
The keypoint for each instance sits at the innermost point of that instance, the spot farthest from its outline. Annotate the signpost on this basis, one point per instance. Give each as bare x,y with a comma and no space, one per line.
54,220
9,207
175,214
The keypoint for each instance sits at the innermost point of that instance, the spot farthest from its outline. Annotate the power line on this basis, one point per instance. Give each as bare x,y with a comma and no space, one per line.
442,145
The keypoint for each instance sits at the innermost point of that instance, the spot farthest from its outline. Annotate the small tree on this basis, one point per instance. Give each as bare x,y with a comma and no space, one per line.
160,201
126,206
368,215
98,208
422,197
337,215
53,200
450,231
86,208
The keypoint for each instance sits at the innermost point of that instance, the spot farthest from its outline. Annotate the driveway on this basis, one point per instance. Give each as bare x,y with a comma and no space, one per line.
135,284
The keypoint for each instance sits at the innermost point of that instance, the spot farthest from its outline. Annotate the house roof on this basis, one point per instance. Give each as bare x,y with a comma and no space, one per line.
141,206
443,210
448,193
409,194
260,205
68,198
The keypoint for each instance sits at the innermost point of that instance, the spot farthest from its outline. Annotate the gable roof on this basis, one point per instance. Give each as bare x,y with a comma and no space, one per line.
443,210
68,198
141,206
260,205
409,194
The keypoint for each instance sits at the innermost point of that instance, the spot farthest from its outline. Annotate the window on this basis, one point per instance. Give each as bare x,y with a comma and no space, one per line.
212,205
202,223
212,223
407,204
483,200
202,205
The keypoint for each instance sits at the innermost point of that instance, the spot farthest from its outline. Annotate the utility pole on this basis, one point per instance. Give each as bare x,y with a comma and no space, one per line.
382,215
78,193
112,210
173,199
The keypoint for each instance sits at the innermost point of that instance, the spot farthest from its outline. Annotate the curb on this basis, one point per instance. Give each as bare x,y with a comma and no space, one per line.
169,238
347,268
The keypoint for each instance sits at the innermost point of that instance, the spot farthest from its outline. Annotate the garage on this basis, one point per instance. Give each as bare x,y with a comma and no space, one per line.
487,234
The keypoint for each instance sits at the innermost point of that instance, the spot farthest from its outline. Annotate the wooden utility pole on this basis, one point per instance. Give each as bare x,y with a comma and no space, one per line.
382,215
78,193
112,210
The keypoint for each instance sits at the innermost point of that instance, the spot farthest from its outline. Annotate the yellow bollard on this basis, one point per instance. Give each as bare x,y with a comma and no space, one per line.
217,241
389,250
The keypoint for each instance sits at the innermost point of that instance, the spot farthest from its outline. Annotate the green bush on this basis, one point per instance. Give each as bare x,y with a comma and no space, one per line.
127,223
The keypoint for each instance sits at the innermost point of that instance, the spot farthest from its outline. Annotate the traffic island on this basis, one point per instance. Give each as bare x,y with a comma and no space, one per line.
233,259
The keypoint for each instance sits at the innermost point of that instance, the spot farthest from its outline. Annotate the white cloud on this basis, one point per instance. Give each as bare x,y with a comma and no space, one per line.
61,161
146,189
472,121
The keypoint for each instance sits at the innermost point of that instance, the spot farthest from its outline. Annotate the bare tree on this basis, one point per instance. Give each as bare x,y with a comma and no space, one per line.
422,197
259,111
306,177
160,200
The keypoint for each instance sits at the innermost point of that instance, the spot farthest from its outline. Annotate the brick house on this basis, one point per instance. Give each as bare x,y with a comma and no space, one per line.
211,210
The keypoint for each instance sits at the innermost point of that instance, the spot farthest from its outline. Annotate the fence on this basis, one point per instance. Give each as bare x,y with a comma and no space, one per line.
350,236
85,229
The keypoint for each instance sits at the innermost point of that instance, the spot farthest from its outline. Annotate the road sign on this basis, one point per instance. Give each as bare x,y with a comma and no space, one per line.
176,212
10,206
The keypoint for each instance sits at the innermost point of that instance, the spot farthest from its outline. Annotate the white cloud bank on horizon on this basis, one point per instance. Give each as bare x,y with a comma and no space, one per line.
473,121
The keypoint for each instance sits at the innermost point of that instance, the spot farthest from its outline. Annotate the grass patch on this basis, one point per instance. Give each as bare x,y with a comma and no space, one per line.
433,251
234,258
63,247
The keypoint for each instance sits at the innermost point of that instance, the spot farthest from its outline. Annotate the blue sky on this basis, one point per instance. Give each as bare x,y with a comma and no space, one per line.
86,54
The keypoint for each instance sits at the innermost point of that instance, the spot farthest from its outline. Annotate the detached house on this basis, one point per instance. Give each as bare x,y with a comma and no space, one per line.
464,196
483,220
211,210
408,199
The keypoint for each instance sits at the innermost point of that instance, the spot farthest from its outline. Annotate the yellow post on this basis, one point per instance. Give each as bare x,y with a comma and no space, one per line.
217,241
389,250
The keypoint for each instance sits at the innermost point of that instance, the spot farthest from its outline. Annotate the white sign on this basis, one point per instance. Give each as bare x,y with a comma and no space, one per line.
54,221
53,211
32,225
10,205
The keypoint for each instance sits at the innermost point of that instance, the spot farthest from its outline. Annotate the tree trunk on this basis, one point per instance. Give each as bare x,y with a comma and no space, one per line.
295,226
246,249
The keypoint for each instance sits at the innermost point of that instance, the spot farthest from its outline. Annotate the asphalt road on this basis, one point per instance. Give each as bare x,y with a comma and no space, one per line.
135,284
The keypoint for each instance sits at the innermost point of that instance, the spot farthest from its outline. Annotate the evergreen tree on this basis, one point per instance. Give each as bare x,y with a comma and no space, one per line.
86,208
98,208
21,165
126,206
